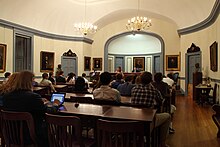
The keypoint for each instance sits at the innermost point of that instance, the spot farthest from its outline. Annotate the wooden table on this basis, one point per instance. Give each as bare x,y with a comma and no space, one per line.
61,88
41,90
95,112
203,92
124,99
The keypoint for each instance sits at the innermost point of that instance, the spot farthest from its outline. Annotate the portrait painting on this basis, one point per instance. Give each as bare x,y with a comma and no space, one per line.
172,62
47,61
2,57
214,56
139,64
97,63
87,63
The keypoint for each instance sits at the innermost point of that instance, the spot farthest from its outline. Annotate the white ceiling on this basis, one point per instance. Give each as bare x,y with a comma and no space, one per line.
59,16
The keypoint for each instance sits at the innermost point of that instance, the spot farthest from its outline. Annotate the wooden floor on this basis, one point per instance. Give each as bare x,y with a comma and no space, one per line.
193,125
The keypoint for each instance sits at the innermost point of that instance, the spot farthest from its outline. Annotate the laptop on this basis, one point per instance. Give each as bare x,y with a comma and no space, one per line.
58,96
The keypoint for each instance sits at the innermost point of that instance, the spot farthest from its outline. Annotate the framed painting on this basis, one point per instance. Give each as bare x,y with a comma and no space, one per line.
139,64
47,61
214,56
2,57
97,63
172,62
87,63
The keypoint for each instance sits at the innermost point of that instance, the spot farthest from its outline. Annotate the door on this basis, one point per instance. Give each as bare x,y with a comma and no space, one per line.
119,61
69,64
22,53
156,64
191,66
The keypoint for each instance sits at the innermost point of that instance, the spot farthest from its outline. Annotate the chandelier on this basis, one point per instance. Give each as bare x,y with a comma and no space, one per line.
138,23
85,27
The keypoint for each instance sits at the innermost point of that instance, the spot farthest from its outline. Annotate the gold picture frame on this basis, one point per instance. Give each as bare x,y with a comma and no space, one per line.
173,62
47,61
139,63
97,63
87,63
3,48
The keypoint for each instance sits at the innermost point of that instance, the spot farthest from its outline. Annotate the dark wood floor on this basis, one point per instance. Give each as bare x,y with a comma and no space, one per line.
193,124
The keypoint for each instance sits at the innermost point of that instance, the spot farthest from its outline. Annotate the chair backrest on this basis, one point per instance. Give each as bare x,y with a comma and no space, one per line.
18,128
64,131
214,93
81,99
120,133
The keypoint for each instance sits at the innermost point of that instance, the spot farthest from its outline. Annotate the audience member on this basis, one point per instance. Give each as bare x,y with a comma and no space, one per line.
169,79
80,85
119,71
165,91
51,78
146,94
7,75
138,80
60,78
125,88
117,81
160,85
71,78
46,82
20,97
106,92
86,81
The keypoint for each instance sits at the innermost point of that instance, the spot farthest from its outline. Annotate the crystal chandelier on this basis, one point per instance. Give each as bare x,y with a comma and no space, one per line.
138,23
85,27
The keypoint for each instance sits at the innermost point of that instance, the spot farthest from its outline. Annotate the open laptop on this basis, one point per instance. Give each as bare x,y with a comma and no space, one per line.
58,96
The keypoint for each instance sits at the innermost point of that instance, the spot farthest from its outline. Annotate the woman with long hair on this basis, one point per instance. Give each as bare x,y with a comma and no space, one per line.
20,97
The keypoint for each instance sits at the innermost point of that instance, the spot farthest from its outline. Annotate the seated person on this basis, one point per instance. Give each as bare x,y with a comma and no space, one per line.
80,85
71,78
20,97
146,94
46,82
169,79
86,81
7,75
60,78
51,78
125,88
164,90
105,91
117,81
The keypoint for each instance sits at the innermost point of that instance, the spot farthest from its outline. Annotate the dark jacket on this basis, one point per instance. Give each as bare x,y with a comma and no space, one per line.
28,101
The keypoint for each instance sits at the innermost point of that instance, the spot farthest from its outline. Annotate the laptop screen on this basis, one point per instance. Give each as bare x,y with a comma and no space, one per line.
58,96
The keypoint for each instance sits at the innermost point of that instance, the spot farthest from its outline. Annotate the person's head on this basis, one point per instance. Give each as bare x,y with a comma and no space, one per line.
50,74
70,76
158,77
128,79
24,81
105,78
59,65
83,75
138,80
9,85
119,69
170,75
7,74
80,84
45,76
146,78
119,76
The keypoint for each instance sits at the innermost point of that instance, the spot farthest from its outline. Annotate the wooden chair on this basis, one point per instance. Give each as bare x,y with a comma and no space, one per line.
18,129
120,133
81,99
212,98
216,117
66,131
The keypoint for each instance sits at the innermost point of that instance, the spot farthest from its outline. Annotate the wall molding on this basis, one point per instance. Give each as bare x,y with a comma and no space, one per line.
12,25
205,23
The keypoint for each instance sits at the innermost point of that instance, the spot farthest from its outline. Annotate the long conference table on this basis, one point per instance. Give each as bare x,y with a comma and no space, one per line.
95,112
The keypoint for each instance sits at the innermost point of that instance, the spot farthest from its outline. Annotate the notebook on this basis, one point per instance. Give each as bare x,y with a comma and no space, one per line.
58,96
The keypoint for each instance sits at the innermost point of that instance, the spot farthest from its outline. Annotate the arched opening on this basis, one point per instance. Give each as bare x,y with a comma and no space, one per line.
128,48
